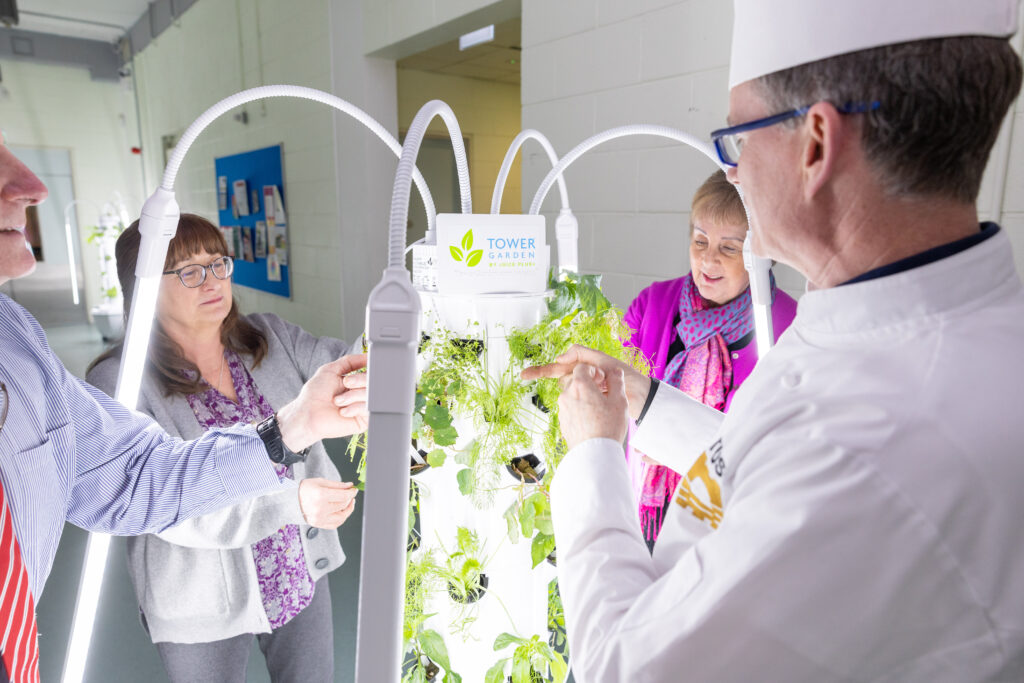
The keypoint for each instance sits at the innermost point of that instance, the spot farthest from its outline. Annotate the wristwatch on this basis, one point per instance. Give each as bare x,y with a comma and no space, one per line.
270,432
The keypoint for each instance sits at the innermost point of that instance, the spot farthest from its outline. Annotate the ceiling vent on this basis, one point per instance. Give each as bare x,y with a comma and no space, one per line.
22,46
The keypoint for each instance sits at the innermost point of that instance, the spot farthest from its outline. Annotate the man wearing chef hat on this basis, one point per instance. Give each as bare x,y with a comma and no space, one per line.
859,513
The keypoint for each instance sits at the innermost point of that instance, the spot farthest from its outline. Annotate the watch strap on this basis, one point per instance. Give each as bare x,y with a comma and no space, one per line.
270,432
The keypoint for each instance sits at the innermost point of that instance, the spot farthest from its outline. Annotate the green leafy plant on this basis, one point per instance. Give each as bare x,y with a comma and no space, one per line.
356,450
426,652
463,568
457,382
556,620
578,313
498,409
427,657
532,660
104,238
471,256
459,574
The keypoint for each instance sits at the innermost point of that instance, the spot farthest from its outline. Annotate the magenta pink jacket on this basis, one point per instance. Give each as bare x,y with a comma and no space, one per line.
654,310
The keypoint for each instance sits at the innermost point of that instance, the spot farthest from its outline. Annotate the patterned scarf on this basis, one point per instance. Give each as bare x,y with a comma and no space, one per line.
703,370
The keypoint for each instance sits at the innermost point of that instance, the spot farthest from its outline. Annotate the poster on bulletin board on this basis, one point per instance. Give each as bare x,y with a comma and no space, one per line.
251,210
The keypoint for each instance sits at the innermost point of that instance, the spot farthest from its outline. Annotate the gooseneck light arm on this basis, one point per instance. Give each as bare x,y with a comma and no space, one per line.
567,231
510,156
269,91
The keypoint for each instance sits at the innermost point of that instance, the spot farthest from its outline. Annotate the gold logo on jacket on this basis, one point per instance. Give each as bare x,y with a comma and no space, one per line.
706,511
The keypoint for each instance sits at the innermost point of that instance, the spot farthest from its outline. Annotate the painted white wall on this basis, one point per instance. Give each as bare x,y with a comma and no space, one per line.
213,50
60,107
365,168
1002,190
589,65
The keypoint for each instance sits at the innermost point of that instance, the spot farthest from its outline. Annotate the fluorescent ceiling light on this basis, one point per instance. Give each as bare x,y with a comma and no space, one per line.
477,37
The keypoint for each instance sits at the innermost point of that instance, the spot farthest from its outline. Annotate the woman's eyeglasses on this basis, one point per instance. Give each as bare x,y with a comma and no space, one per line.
194,274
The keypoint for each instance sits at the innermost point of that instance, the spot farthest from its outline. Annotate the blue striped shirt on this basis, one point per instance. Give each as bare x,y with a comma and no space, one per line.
68,452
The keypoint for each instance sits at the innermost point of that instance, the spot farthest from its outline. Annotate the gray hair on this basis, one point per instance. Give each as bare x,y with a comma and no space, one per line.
941,105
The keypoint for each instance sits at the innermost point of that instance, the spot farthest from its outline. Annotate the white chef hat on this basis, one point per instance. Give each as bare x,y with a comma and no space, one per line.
772,35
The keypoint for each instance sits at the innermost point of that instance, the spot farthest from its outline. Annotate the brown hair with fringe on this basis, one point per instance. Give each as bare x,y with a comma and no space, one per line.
175,373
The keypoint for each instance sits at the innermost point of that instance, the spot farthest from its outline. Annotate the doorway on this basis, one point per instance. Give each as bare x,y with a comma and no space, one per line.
482,86
51,292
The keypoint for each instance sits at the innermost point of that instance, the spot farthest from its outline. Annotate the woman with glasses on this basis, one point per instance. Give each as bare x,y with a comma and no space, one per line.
259,569
698,330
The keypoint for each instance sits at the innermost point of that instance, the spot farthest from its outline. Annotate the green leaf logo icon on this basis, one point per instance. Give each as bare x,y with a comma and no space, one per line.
471,256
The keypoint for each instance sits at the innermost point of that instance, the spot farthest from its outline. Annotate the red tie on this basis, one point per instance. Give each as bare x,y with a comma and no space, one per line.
19,638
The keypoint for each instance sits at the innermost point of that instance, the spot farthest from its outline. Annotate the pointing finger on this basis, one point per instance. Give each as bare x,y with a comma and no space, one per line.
347,364
555,370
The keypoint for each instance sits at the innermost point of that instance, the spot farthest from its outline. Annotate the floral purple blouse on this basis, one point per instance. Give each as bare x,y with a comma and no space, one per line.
285,584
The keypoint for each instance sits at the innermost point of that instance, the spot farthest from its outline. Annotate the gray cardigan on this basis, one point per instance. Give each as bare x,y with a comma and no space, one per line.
196,582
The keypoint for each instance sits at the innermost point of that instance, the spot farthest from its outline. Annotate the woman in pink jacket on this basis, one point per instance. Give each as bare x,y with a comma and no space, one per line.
698,330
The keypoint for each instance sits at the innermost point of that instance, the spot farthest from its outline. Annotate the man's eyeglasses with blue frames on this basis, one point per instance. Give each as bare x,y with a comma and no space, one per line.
728,143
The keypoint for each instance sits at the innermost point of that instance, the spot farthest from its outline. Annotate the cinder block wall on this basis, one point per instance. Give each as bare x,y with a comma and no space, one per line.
214,50
589,65
1007,198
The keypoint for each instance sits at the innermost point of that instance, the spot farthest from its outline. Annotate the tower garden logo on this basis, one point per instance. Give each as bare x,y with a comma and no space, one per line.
491,254
471,256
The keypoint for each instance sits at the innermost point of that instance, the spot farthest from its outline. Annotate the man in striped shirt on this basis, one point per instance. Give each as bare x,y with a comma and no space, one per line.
70,453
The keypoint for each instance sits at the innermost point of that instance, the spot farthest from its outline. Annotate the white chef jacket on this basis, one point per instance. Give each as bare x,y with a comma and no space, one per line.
857,516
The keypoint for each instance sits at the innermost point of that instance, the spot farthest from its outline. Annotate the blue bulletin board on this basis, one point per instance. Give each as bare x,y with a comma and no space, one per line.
259,168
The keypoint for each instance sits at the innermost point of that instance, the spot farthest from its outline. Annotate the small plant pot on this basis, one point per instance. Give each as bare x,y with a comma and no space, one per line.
471,596
524,467
430,669
110,323
474,345
417,467
534,677
535,399
552,558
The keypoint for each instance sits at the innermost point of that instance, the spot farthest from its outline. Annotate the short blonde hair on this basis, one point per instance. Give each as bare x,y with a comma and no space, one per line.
718,200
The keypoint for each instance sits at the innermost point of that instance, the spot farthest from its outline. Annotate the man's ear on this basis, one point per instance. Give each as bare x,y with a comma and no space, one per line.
823,140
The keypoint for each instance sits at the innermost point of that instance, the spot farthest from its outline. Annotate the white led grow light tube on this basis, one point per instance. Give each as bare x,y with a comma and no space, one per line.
760,284
392,328
157,225
72,259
